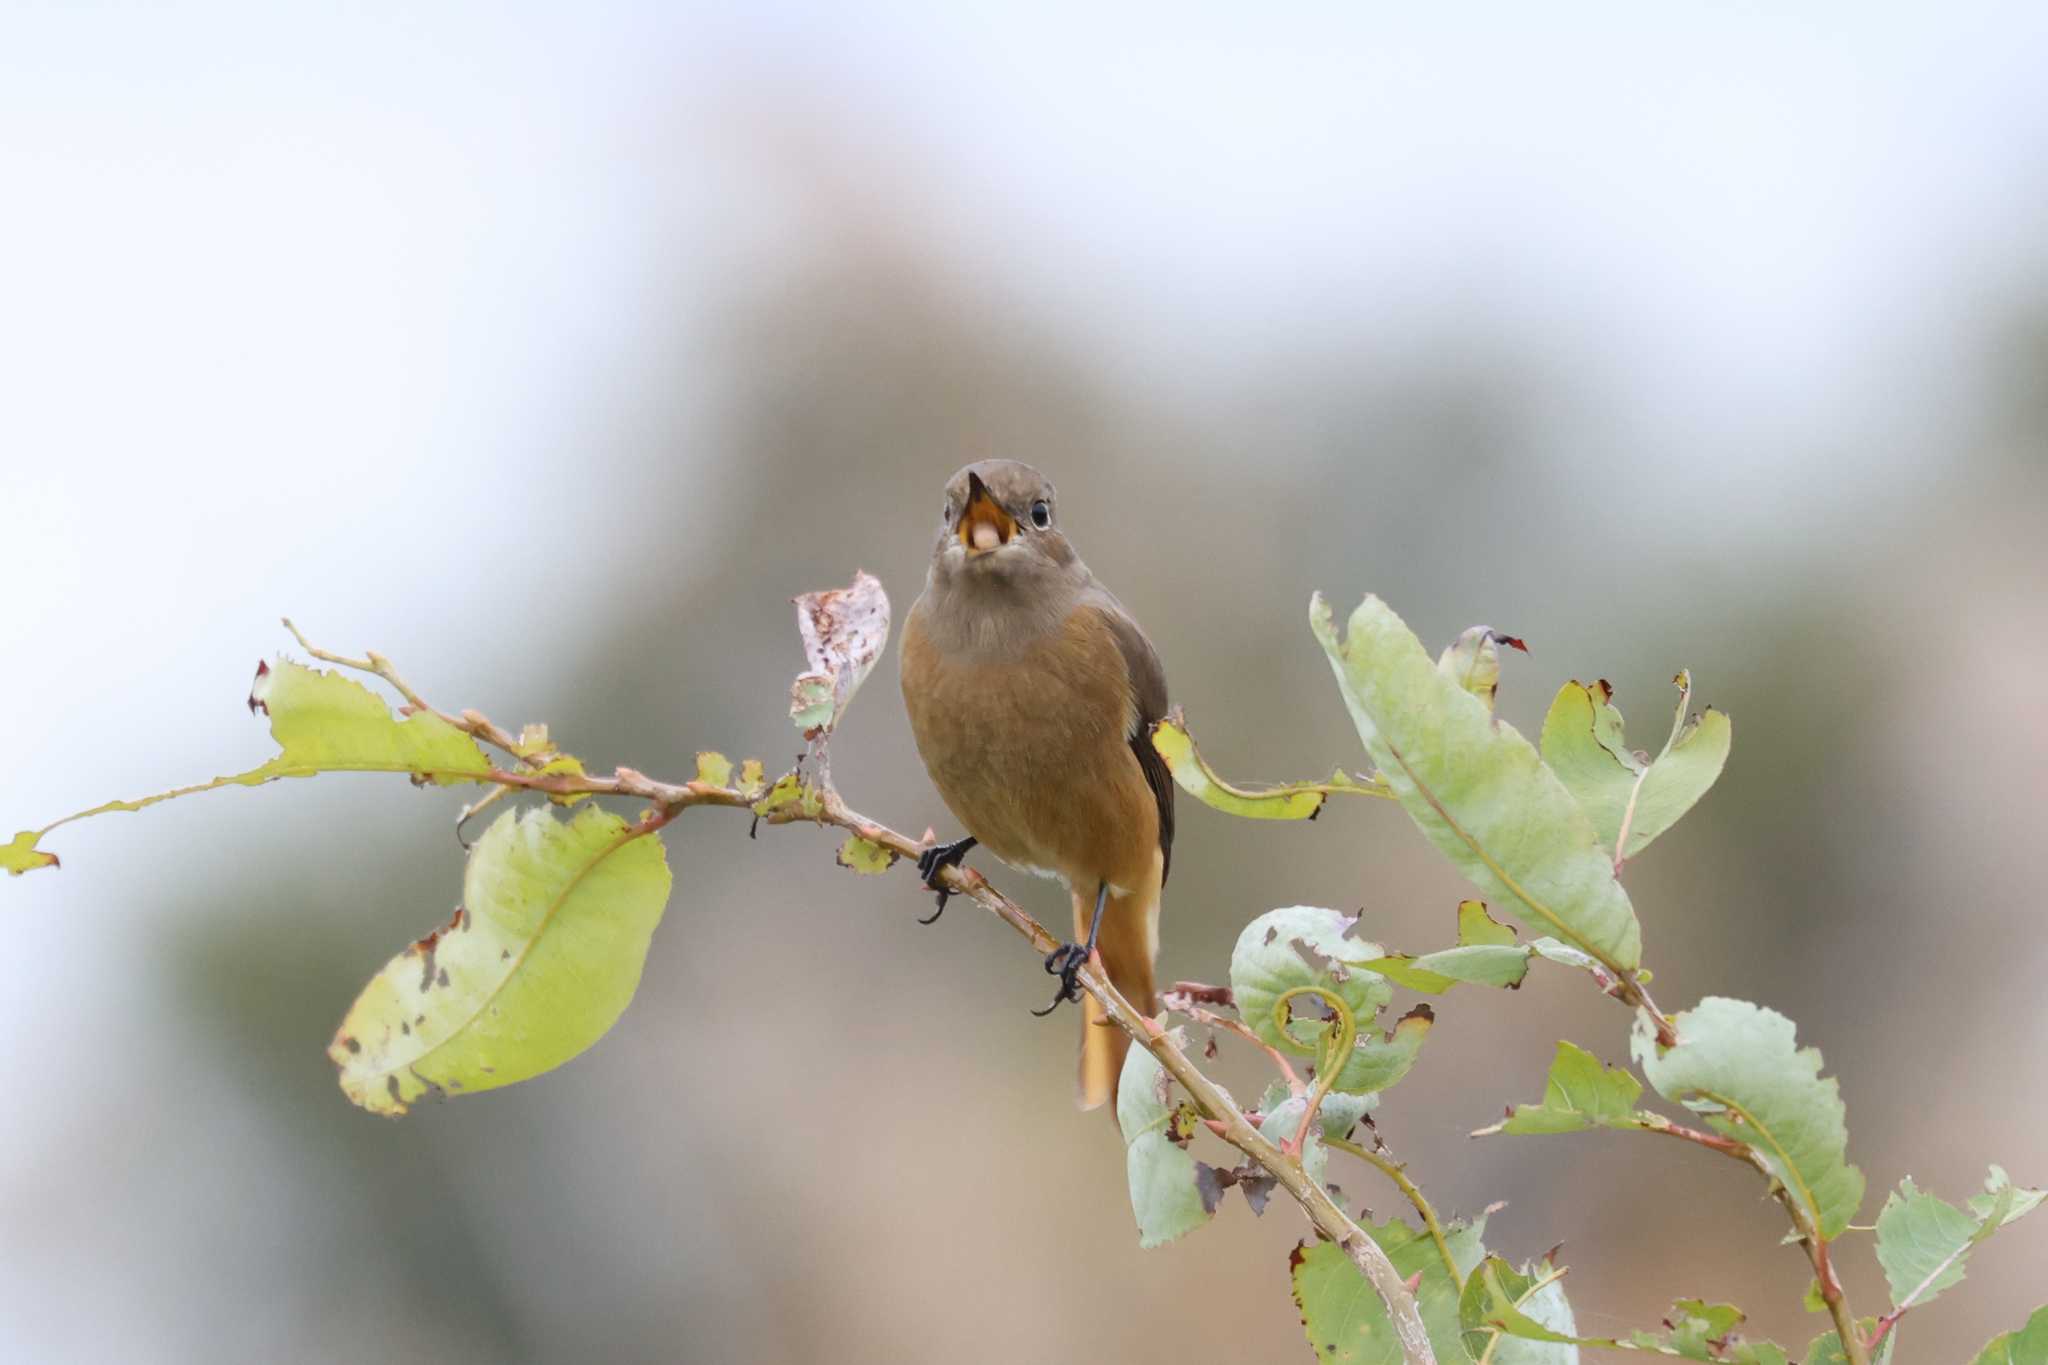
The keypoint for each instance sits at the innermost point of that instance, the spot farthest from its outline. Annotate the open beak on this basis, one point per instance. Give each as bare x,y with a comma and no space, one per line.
984,525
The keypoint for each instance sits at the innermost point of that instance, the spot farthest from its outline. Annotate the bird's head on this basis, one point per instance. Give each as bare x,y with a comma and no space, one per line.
1000,528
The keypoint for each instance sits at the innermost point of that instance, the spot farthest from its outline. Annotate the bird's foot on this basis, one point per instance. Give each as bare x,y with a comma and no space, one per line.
936,860
1065,962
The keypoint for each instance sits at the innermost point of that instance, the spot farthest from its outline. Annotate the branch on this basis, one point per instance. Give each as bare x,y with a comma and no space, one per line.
1854,1348
1225,1119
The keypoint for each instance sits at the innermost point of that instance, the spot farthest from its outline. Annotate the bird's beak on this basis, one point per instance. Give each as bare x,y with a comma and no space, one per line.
984,525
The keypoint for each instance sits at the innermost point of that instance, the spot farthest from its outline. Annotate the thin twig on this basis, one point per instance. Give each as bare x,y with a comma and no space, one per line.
1854,1349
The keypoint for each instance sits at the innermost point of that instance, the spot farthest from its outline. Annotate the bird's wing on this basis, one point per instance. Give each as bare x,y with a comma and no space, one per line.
1148,689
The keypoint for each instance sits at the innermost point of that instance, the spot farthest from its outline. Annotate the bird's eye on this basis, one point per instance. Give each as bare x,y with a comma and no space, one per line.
1041,514
946,515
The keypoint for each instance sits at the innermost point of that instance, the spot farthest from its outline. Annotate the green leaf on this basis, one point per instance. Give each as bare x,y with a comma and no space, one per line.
1378,1062
1694,1330
789,790
1342,1314
2027,1346
537,964
1582,742
1580,1093
1472,661
1517,1317
1736,1064
1923,1242
1192,773
1477,788
1486,955
21,854
865,856
713,768
844,631
1171,1192
1826,1349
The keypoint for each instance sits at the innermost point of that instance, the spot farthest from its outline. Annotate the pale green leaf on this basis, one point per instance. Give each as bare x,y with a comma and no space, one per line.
1345,1320
1737,1064
1377,1062
1486,955
1582,742
1472,661
865,856
1171,1192
714,769
1477,788
1192,773
1294,947
2027,1346
1580,1093
538,963
1923,1242
1517,1317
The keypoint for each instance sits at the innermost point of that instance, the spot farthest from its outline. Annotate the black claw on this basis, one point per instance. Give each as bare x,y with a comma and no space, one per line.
937,859
1065,962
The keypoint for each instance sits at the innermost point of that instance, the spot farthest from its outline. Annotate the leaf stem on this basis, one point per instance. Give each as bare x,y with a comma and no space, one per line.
1329,1065
1394,1171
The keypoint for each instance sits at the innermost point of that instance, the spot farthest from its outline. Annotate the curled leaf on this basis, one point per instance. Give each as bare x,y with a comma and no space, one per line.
844,631
1472,661
1292,801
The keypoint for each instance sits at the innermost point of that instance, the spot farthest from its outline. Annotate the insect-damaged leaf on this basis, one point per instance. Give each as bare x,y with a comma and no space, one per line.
844,630
1486,955
1293,801
1171,1192
1477,788
1580,1093
21,854
1923,1242
539,962
865,856
323,723
1303,947
1582,743
1345,1320
1738,1066
2027,1346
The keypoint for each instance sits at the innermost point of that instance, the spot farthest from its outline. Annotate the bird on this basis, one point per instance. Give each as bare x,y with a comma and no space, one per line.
1032,695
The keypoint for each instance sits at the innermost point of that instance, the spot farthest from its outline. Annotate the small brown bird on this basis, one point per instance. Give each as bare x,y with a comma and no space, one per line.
1032,694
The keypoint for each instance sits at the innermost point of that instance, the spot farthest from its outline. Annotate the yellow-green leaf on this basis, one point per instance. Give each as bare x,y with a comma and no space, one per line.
865,856
323,723
714,768
1472,661
1292,801
21,855
537,964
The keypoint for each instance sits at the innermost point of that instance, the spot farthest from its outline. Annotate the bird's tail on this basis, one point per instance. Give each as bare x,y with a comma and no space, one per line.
1128,943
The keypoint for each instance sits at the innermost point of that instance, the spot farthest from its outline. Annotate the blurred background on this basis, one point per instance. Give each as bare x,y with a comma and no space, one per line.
550,351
